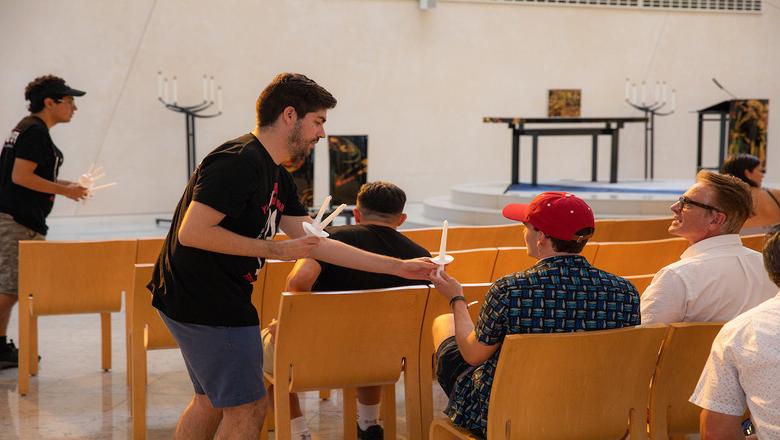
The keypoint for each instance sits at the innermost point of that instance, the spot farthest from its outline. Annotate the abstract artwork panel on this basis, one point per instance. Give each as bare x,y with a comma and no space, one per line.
348,167
564,103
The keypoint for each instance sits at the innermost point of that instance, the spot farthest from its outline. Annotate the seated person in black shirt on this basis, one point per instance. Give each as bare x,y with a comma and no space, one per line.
378,213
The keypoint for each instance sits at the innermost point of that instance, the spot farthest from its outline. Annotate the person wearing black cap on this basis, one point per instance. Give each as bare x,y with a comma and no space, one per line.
29,167
561,293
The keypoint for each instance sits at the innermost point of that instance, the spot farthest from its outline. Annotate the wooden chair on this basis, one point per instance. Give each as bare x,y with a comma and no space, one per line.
61,278
638,257
570,385
475,237
148,332
429,238
274,280
472,266
437,305
147,251
632,229
682,358
755,242
516,259
329,340
640,281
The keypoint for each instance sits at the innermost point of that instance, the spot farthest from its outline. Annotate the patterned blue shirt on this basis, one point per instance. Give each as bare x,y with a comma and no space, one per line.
559,294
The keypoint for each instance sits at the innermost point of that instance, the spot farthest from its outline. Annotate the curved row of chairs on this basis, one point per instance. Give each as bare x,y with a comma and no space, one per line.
85,277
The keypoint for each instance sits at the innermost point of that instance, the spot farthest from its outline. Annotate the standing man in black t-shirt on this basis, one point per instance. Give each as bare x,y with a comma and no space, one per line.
379,212
29,168
220,235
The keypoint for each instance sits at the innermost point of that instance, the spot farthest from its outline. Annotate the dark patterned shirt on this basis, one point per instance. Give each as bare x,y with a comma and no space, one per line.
559,294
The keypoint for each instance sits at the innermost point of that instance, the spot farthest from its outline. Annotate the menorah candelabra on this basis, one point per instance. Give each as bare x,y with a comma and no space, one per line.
191,112
638,97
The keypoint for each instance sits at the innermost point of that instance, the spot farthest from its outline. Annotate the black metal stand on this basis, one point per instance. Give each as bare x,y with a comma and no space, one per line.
652,110
190,113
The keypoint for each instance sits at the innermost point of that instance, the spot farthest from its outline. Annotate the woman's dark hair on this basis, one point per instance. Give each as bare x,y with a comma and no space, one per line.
738,164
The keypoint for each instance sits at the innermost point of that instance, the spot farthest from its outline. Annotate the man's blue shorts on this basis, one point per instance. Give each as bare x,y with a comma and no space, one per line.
224,363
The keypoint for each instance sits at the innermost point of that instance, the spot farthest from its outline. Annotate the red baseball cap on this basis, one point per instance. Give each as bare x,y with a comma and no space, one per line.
557,214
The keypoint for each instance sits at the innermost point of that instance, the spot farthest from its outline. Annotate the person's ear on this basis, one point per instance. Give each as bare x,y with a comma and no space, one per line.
356,213
401,219
289,115
49,102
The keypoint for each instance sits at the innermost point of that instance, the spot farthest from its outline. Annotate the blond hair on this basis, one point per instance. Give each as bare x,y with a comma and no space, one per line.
732,198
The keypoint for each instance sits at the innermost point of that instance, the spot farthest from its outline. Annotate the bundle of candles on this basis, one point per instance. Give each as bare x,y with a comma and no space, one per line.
317,227
640,95
172,97
88,179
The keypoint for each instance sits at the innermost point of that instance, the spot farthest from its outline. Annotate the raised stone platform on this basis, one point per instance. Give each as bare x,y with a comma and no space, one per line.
481,203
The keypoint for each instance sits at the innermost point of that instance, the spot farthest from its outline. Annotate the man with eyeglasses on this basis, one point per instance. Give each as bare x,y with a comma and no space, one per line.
716,278
29,168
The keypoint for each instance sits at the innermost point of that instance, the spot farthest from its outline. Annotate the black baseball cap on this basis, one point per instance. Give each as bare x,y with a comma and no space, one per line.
58,89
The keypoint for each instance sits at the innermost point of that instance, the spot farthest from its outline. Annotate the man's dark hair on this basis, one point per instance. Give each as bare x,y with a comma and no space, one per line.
381,199
772,254
738,164
35,92
572,246
295,90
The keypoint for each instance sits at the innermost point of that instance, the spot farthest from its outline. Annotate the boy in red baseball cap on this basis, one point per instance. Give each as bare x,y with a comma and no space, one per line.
561,293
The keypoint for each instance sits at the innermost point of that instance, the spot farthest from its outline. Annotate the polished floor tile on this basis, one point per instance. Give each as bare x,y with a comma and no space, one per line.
72,398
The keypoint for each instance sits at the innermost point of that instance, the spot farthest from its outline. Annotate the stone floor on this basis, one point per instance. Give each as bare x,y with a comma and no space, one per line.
73,398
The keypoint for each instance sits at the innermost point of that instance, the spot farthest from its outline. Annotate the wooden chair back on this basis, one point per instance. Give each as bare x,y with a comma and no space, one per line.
472,266
429,238
348,339
638,257
274,280
590,388
475,237
755,242
640,281
75,277
148,250
516,259
682,358
632,229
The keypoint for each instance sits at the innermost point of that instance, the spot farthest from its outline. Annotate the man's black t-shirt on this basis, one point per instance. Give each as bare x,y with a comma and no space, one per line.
29,140
381,240
240,180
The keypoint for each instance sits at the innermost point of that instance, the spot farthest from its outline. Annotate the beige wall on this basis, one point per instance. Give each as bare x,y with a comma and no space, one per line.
417,82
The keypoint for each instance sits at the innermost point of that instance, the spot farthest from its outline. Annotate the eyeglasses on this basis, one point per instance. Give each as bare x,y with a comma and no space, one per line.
685,201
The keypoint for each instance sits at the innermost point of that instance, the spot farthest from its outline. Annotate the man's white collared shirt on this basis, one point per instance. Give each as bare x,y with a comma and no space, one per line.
715,280
744,369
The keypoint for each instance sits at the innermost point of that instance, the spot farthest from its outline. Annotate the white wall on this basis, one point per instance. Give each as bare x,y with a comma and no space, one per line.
417,82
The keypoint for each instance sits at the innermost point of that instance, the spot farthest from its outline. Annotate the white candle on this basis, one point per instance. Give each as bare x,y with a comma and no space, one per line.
205,85
165,90
663,91
159,84
674,99
175,90
628,87
633,93
211,89
219,99
657,92
644,92
325,204
332,216
443,244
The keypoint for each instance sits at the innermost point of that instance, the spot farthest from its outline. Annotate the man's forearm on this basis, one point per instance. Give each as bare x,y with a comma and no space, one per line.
463,325
341,254
38,183
218,239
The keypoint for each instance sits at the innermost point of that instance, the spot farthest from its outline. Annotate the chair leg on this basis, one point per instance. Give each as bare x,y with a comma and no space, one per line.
388,410
426,393
412,398
138,387
349,404
24,344
324,394
283,430
105,327
128,335
33,345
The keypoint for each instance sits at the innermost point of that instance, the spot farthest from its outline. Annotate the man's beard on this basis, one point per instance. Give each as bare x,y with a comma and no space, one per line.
298,147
